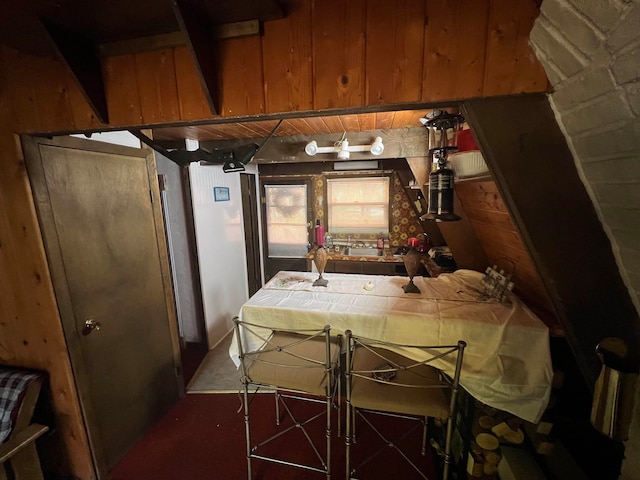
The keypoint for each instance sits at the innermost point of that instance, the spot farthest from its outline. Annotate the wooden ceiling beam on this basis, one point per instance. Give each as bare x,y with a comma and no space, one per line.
79,55
202,49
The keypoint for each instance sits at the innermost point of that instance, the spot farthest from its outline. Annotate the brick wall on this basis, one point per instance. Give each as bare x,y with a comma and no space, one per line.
591,53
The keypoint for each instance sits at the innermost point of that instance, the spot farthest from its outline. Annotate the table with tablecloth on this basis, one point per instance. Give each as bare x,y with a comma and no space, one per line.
507,362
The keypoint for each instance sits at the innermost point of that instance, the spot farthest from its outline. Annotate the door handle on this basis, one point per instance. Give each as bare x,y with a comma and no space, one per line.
90,325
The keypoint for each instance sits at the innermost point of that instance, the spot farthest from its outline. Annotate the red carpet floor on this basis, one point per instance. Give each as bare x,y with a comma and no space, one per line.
202,437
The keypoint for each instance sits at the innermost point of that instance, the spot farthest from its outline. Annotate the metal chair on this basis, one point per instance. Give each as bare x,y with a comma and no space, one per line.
382,383
299,365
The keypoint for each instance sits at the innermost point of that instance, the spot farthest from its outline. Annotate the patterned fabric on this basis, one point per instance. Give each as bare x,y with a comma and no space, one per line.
13,386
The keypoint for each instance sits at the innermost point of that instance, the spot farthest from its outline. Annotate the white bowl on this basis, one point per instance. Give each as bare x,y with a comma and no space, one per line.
468,164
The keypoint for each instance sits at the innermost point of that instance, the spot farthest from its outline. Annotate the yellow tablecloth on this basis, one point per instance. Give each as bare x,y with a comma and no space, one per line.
507,363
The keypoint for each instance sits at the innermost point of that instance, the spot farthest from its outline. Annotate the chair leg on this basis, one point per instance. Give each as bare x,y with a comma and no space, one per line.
26,464
329,408
424,436
348,440
447,449
277,399
339,402
247,429
354,435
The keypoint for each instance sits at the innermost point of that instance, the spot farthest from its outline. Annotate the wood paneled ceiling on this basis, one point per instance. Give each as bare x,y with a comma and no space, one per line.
79,32
303,126
104,21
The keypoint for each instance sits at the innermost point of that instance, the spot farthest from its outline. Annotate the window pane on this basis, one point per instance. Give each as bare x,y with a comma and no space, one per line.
358,205
286,209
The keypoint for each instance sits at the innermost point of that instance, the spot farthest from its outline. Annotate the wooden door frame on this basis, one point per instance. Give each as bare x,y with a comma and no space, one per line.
33,161
248,187
270,180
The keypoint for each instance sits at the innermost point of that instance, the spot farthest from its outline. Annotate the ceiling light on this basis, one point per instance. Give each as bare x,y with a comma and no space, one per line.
377,148
312,148
231,166
343,153
343,149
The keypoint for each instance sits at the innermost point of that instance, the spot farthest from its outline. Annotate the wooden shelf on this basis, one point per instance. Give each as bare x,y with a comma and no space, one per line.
430,228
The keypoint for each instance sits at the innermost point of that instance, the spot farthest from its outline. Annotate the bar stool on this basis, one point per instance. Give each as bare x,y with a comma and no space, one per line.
380,382
299,365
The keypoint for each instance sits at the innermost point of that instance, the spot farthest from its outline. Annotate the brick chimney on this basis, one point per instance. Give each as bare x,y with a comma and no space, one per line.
590,50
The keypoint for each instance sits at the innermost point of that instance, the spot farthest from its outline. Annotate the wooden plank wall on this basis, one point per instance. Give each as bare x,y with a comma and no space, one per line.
492,224
325,54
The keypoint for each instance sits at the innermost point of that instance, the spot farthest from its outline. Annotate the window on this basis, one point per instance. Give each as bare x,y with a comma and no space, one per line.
358,205
286,215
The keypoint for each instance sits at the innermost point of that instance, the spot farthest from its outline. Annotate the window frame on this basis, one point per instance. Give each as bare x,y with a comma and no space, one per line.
362,175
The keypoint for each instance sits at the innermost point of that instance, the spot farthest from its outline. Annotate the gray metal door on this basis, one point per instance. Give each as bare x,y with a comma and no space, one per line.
100,215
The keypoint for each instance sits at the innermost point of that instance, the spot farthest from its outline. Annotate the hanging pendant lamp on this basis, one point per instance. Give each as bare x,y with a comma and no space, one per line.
443,128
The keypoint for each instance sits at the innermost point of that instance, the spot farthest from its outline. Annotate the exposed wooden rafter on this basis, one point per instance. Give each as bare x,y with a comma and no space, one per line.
79,55
201,47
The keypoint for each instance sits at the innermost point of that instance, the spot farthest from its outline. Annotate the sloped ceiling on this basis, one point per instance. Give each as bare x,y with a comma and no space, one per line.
77,32
105,21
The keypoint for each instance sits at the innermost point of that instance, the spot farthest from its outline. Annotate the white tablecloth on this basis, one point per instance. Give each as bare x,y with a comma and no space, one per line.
507,363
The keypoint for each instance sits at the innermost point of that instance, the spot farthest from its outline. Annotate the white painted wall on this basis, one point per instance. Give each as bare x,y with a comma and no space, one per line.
121,137
182,254
221,247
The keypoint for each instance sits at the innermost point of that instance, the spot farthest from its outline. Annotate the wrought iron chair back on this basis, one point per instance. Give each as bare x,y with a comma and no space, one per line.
385,379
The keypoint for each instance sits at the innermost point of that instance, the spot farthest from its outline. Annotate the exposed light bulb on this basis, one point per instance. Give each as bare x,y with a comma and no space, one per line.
377,147
343,153
311,148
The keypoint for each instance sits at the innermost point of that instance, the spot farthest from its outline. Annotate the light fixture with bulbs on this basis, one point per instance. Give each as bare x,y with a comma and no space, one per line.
343,149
